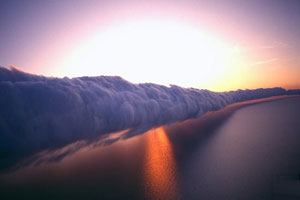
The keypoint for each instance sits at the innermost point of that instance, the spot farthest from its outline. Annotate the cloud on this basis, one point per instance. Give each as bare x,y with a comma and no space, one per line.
262,62
274,45
38,112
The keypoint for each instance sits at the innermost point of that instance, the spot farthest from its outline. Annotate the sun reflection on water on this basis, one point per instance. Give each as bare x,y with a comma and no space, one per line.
159,167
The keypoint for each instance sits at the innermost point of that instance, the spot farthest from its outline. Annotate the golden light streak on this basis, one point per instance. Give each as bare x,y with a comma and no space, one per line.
159,167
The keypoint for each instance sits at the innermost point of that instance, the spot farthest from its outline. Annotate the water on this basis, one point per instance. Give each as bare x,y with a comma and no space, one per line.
248,155
252,153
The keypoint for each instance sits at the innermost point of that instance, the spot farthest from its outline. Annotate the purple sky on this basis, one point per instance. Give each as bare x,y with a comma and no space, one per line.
36,35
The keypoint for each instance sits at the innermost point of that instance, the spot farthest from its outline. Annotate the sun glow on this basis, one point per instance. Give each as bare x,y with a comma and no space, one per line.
159,51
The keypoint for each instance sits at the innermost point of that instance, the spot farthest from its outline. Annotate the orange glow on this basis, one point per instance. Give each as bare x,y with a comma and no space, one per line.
145,50
182,43
159,167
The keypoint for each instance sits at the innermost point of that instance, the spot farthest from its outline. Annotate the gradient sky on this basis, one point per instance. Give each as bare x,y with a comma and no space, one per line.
217,45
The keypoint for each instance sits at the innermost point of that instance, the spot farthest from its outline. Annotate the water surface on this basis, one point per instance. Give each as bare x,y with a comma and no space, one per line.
249,153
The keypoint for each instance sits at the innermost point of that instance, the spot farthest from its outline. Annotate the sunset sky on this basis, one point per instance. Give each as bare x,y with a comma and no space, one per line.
216,45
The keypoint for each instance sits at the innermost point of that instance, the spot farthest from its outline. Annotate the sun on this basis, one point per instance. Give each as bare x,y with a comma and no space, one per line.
150,50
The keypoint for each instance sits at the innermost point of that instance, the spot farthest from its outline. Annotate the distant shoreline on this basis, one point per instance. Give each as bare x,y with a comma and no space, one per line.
212,119
190,134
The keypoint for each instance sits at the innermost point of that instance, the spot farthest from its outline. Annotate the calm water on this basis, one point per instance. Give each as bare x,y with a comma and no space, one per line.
253,153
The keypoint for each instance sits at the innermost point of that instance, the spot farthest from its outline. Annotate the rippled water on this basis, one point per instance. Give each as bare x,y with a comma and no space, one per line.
252,153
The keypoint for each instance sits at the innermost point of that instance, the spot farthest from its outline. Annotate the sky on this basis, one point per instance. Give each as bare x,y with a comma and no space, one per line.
217,45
